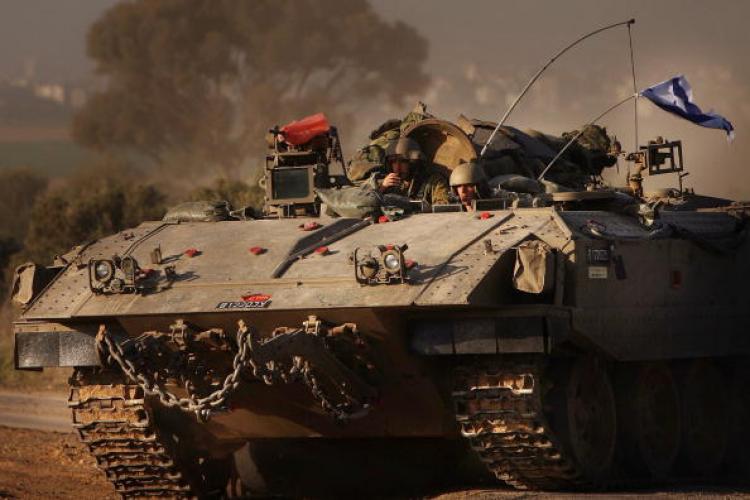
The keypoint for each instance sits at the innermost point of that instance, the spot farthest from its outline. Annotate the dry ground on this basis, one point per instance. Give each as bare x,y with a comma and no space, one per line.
42,465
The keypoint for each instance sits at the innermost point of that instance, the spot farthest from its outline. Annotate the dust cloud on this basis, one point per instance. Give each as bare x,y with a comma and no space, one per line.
483,52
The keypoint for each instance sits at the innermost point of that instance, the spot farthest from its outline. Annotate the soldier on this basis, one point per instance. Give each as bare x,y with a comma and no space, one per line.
408,175
468,183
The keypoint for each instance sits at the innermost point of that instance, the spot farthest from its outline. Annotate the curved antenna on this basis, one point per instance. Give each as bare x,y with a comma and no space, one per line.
539,73
579,134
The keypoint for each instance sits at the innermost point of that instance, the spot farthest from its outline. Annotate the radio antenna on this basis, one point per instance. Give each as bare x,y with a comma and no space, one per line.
580,133
539,73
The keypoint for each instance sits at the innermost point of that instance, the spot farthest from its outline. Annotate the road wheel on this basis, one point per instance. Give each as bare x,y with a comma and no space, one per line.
592,420
650,419
705,409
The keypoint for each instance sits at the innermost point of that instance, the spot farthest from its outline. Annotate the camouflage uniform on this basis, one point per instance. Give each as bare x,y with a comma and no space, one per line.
427,184
371,158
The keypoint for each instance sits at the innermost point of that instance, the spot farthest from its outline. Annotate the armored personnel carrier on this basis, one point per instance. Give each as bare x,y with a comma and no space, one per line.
573,338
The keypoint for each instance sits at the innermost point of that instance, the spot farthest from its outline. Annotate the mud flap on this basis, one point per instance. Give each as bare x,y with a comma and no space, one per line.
36,350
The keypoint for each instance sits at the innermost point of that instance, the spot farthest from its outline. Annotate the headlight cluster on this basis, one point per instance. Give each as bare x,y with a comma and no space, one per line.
116,275
383,264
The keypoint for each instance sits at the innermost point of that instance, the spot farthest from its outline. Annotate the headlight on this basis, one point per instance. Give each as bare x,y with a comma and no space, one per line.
392,262
104,270
116,275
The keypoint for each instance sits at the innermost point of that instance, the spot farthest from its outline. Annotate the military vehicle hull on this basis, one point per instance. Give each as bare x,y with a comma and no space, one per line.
625,362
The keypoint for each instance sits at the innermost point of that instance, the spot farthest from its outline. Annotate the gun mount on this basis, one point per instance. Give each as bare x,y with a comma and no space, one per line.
658,157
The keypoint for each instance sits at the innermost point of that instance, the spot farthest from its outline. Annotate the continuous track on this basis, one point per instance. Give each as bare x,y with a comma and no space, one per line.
117,427
500,410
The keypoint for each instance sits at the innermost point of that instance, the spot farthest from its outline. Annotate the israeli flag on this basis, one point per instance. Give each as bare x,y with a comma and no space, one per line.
676,96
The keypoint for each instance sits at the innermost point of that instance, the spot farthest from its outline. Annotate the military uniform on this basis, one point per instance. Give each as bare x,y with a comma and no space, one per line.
372,158
370,164
427,184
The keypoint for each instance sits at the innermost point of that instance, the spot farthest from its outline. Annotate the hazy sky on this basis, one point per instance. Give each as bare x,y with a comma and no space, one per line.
498,45
50,31
483,51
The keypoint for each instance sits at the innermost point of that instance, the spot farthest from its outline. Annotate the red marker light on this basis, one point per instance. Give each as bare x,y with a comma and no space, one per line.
389,247
257,250
192,252
310,226
485,215
383,219
321,250
408,263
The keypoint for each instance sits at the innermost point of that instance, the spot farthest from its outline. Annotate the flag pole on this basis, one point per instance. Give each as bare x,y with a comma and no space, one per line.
635,101
580,133
539,73
635,87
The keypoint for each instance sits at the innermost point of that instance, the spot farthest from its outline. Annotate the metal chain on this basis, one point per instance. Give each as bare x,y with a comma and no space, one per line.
202,407
269,373
301,369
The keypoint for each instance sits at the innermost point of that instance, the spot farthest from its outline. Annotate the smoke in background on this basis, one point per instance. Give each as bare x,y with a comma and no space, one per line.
483,52
188,91
198,83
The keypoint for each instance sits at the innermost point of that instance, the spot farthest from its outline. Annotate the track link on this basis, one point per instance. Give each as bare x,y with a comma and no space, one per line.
114,422
500,410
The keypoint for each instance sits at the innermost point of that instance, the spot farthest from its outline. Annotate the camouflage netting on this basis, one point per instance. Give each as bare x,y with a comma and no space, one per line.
527,153
513,152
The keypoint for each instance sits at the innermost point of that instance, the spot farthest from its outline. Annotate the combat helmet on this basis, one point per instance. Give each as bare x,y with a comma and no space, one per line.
405,147
470,172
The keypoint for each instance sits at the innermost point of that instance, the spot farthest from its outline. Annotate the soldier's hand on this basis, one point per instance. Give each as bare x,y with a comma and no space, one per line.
391,180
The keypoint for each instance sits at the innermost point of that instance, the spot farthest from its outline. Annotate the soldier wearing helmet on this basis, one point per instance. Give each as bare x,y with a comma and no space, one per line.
468,183
408,175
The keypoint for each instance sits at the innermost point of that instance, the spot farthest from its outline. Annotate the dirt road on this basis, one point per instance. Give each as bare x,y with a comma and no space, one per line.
41,458
41,411
42,465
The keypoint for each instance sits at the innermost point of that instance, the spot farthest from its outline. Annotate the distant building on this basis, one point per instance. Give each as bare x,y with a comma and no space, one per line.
52,91
27,101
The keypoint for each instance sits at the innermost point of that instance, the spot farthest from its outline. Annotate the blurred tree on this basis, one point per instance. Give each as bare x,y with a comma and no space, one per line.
238,193
19,188
211,76
93,203
8,248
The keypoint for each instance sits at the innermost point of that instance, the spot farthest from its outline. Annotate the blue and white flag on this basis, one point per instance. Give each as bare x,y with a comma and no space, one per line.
676,96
